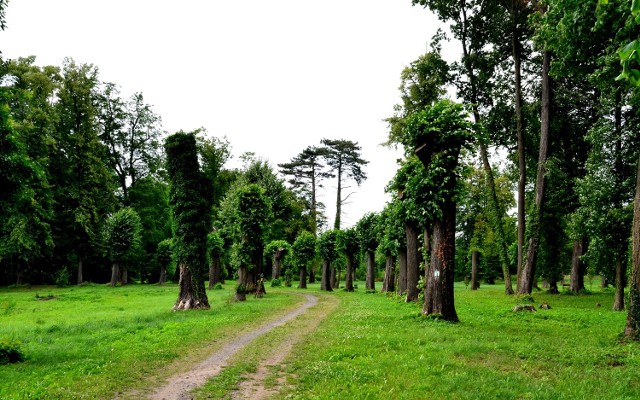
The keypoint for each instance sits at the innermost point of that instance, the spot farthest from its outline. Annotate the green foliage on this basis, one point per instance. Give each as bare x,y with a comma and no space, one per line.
276,282
368,230
349,241
215,244
277,247
217,286
62,277
304,249
327,245
251,217
10,351
122,235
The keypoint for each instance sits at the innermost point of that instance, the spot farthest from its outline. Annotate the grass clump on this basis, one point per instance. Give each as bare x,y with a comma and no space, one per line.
10,351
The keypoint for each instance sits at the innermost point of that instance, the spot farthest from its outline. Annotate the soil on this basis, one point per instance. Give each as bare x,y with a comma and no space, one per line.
179,386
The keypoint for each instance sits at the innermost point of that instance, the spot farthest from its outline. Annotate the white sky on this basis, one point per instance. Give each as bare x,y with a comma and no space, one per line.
272,76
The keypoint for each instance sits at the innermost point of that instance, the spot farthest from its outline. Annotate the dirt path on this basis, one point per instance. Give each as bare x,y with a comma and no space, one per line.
179,386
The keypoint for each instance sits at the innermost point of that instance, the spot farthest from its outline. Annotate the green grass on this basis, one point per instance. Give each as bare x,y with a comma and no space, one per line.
378,347
96,341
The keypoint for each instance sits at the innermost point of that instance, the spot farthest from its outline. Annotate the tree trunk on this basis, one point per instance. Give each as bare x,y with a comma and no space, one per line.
412,261
371,271
325,282
527,276
522,177
438,295
80,277
402,271
334,278
348,279
618,303
577,265
475,284
193,294
115,274
632,328
336,224
553,287
303,278
312,275
214,272
124,276
243,282
388,285
163,276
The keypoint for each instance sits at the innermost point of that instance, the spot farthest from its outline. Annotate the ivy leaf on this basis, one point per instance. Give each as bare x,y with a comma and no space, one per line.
635,7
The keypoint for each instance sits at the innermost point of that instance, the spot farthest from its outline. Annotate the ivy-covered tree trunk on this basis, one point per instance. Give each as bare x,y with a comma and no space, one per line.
402,271
115,274
243,282
325,282
348,285
214,271
577,265
439,286
475,285
632,328
388,285
303,278
371,271
191,289
413,258
618,301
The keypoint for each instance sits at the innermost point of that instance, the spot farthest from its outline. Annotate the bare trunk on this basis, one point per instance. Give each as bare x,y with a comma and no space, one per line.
348,284
438,296
388,285
115,274
325,282
402,271
336,224
334,278
124,276
214,272
243,282
312,275
577,265
163,276
475,285
618,303
193,295
527,275
303,278
522,177
553,287
371,271
412,261
632,328
80,278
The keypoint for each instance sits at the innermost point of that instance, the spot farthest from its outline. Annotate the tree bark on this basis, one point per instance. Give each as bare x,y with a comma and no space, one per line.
336,224
115,274
325,282
303,278
632,328
312,275
527,276
475,285
243,282
214,271
438,295
577,265
192,292
80,278
371,271
522,177
124,276
618,303
413,257
334,278
388,285
348,284
163,276
402,271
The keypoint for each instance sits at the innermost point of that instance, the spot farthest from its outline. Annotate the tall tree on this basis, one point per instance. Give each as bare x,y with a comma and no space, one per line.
343,157
122,240
163,258
278,250
191,215
215,249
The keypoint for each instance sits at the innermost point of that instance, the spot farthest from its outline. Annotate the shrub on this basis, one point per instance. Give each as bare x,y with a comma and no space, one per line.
10,352
524,298
276,282
61,278
217,286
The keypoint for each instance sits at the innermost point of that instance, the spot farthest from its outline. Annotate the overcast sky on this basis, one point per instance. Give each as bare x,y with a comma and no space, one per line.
272,76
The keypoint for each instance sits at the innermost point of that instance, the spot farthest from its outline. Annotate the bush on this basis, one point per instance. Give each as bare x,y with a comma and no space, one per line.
10,352
276,282
217,286
524,298
62,277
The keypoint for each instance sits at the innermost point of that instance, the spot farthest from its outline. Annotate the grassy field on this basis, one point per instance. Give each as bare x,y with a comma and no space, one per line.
96,342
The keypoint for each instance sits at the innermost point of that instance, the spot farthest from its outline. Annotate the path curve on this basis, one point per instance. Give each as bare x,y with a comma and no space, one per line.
179,386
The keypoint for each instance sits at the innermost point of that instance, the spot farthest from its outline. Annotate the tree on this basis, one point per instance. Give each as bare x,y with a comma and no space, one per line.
122,240
343,157
327,249
438,134
368,228
252,212
163,256
191,215
390,237
304,251
215,249
278,250
306,172
349,245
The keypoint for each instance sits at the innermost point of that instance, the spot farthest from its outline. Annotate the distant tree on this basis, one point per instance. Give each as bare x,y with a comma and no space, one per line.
306,172
215,249
191,215
163,256
122,240
349,245
303,251
368,228
327,249
344,159
390,235
277,249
